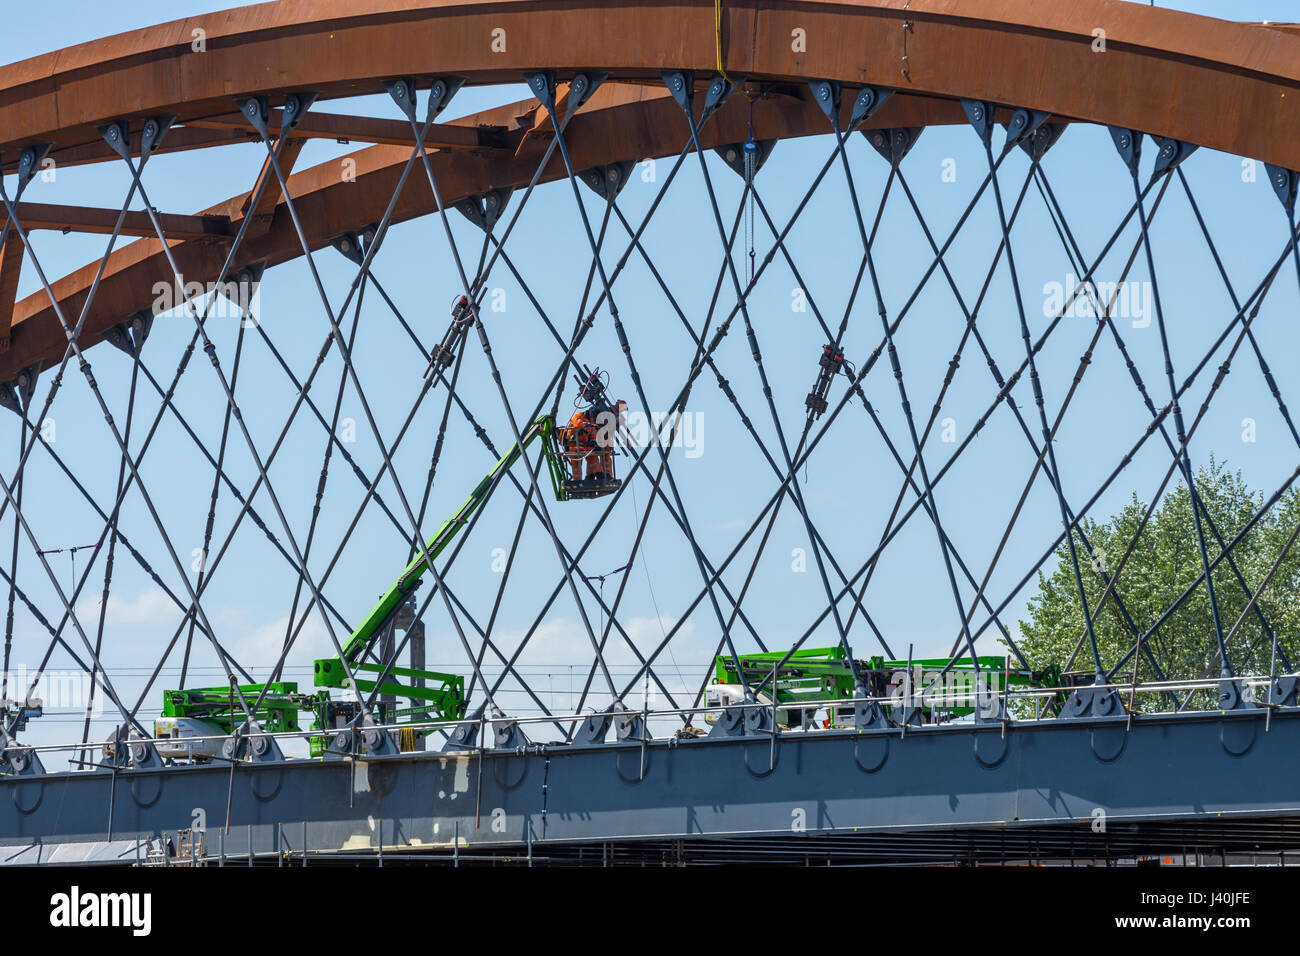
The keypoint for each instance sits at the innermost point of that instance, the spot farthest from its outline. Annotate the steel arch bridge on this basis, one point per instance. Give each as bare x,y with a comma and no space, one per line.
617,193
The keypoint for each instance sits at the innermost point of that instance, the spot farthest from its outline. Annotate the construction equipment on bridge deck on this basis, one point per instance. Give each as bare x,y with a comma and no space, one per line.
938,689
432,695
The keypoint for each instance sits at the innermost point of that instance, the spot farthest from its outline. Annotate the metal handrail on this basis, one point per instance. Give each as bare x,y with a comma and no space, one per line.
933,699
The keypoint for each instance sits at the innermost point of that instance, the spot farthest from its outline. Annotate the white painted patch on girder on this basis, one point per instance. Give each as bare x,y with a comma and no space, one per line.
358,841
361,777
460,781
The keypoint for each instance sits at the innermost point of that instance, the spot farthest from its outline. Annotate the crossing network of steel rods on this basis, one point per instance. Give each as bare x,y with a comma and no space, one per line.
240,448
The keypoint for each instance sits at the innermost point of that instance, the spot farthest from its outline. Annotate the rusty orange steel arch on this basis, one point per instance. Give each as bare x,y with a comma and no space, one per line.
1224,85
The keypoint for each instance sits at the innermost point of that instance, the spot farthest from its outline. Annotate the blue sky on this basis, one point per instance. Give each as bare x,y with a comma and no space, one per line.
849,485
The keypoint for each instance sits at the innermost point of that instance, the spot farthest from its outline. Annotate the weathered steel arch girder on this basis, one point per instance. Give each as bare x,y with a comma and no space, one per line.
1229,86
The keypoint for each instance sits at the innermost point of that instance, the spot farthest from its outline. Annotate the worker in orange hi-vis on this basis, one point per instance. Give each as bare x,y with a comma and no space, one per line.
582,448
605,437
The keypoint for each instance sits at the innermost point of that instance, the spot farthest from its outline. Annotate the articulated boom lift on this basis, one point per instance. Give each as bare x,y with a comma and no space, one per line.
808,678
432,696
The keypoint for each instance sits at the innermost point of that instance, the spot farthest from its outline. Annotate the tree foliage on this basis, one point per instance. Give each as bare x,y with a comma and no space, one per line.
1164,562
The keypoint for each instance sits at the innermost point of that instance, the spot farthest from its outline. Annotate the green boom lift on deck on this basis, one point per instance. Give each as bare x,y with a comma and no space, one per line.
816,674
441,698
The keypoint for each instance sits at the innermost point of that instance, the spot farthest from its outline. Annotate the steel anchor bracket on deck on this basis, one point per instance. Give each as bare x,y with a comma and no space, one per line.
17,760
130,749
1092,702
465,736
248,743
592,731
361,737
1235,695
506,732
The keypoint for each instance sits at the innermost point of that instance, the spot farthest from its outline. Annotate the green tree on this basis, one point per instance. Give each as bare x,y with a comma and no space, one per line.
1164,562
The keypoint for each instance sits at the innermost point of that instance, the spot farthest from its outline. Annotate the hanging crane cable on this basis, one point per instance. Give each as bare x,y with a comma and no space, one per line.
751,145
751,167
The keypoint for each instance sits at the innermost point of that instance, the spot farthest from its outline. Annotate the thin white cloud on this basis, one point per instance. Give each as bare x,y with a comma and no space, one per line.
150,606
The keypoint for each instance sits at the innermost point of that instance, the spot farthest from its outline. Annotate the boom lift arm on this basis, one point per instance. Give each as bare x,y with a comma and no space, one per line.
330,672
432,695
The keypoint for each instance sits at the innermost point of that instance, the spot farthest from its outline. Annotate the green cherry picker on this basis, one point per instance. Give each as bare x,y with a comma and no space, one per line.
579,460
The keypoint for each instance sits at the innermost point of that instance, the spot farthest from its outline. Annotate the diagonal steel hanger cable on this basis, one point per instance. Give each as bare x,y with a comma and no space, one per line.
723,384
812,304
1085,362
216,487
326,455
151,129
273,150
909,469
542,87
112,542
1050,197
1257,298
741,297
832,112
867,366
863,369
1179,425
336,336
436,456
574,101
676,405
320,357
210,349
86,371
984,128
586,325
56,383
479,431
419,150
13,564
1151,429
755,351
1124,462
856,385
1267,373
500,595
